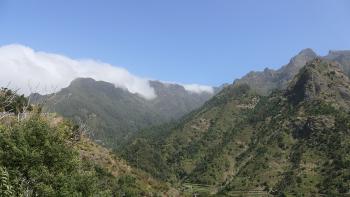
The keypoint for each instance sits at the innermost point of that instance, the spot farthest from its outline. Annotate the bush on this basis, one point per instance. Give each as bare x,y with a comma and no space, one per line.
5,185
39,159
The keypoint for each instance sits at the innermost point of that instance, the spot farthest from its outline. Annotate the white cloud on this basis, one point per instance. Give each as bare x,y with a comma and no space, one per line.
35,71
192,88
23,67
196,88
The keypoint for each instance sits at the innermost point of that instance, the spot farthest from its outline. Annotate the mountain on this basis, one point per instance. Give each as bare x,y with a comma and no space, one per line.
294,141
173,101
302,143
342,57
112,114
280,133
266,81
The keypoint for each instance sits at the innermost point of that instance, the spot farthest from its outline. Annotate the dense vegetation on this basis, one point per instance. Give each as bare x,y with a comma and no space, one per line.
293,142
44,155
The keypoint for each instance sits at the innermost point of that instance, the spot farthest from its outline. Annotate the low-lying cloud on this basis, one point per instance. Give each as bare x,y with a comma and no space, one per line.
33,71
196,88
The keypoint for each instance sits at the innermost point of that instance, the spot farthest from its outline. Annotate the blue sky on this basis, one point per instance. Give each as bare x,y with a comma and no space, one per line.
188,41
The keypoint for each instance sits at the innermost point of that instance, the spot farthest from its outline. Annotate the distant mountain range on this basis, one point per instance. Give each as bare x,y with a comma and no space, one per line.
283,133
112,114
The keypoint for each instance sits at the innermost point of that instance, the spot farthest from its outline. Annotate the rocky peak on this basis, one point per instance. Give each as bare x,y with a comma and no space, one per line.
320,79
342,57
307,52
301,59
338,52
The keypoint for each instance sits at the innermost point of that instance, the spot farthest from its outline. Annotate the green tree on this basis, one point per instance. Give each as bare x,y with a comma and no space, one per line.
10,101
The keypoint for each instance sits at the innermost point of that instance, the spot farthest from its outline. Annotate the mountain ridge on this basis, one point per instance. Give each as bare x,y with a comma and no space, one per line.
113,113
269,79
241,141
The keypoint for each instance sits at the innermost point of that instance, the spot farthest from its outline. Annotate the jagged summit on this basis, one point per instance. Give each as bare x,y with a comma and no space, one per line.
266,81
320,79
338,52
342,57
301,59
307,52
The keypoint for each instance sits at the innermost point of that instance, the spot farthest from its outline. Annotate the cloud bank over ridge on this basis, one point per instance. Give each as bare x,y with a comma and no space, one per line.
196,88
29,70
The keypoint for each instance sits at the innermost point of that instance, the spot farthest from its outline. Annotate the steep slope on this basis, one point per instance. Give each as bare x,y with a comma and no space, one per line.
294,141
132,178
266,81
113,114
302,146
179,151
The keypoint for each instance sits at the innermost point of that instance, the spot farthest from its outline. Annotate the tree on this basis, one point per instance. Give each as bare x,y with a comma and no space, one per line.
12,103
